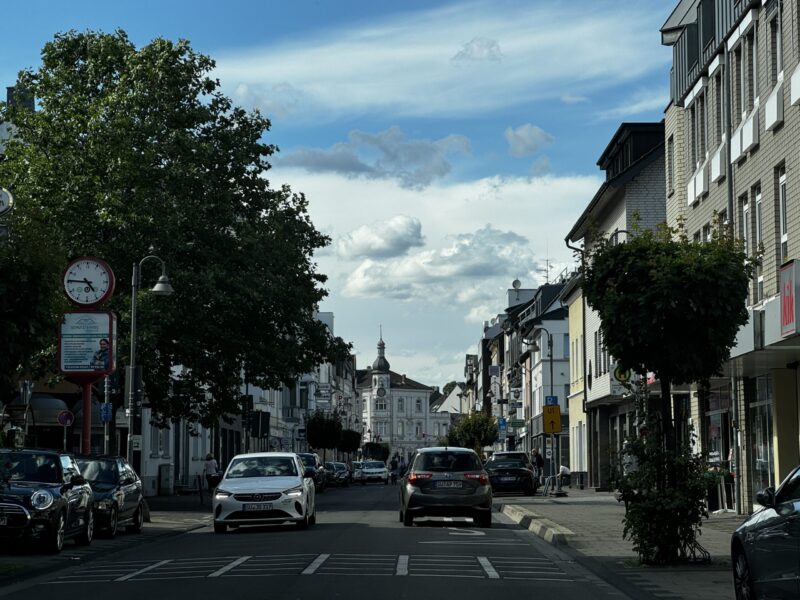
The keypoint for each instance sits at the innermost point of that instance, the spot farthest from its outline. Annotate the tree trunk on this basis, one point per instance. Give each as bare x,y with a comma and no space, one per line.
667,427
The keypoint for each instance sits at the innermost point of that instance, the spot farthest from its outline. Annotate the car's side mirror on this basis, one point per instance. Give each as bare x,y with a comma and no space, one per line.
766,497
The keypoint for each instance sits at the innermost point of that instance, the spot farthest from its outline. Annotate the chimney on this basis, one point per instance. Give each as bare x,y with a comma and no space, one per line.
403,378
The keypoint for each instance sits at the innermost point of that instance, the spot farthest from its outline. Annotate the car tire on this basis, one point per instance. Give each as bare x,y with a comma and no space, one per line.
113,523
87,533
303,523
408,519
386,481
55,539
401,515
529,490
312,520
484,520
138,520
742,578
220,528
363,482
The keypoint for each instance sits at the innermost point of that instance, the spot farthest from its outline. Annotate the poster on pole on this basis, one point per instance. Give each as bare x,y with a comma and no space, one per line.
87,343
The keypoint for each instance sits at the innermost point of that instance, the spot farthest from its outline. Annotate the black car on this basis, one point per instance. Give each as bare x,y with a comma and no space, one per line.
118,493
509,472
314,466
44,498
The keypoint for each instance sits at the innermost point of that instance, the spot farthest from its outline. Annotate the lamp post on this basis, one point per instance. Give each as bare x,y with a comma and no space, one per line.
161,288
550,352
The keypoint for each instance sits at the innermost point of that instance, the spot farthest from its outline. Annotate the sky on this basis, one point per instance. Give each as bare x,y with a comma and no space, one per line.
447,148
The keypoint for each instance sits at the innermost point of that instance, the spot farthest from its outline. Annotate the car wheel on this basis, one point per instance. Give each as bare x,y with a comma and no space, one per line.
303,523
86,534
408,519
55,541
363,482
742,579
386,481
401,515
138,521
484,520
220,528
529,489
113,521
312,520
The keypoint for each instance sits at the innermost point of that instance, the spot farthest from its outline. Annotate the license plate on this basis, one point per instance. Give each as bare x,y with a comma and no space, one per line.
448,484
508,479
257,507
3,520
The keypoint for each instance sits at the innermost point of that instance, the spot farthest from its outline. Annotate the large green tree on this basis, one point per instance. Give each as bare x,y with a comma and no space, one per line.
135,151
324,431
474,431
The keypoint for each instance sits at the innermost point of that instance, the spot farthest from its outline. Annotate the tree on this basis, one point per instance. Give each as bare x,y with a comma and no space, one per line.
474,431
349,441
135,152
449,388
323,431
376,451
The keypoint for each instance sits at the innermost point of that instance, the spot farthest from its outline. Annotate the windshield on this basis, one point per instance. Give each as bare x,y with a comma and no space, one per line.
29,466
261,466
98,471
447,461
308,460
374,465
340,467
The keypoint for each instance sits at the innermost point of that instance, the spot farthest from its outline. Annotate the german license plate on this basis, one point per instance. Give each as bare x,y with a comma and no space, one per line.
508,479
257,507
3,520
448,484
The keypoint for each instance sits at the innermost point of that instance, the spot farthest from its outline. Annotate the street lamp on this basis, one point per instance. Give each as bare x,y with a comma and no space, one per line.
535,347
161,288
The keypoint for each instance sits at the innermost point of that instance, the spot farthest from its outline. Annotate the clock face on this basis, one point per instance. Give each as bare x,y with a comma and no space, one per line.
6,201
88,281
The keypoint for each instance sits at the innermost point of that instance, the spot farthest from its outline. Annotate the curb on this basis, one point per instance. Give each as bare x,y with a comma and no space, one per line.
551,532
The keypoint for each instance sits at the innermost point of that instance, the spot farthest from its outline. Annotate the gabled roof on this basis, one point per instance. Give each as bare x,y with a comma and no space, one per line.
396,381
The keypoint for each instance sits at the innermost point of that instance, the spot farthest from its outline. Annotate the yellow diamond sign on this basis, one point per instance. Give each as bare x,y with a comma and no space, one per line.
552,418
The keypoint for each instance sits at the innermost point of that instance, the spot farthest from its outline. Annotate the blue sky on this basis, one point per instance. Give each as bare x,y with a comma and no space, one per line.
446,147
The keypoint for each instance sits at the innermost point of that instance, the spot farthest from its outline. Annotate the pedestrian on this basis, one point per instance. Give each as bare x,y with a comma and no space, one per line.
564,475
538,463
210,468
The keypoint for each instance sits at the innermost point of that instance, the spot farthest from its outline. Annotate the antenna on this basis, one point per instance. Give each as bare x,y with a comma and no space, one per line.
516,284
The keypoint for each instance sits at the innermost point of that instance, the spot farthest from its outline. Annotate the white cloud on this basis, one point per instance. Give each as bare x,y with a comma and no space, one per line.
573,99
540,167
639,102
479,49
526,139
384,155
376,68
388,238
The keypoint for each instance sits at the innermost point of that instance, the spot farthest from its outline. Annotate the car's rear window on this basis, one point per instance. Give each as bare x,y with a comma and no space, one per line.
308,460
447,461
505,462
374,465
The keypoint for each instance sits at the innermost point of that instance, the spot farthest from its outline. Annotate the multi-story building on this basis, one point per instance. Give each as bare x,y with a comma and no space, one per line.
630,198
732,133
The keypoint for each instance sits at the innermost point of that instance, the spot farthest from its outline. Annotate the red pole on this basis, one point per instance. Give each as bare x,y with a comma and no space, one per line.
86,438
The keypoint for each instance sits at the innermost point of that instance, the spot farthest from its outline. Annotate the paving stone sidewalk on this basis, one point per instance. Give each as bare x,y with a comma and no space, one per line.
588,524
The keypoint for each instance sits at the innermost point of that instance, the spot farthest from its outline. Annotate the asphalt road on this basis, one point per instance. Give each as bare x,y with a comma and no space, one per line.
357,549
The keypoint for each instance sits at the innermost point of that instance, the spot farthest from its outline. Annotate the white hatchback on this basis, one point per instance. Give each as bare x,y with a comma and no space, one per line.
374,470
263,488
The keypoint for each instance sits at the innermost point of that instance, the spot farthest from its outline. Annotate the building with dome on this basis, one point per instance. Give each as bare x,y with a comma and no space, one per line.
397,410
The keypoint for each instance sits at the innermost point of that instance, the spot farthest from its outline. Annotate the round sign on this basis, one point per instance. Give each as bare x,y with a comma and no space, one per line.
66,418
622,375
6,201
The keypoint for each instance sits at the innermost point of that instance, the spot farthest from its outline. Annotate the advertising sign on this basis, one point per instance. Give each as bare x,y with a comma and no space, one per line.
87,343
788,282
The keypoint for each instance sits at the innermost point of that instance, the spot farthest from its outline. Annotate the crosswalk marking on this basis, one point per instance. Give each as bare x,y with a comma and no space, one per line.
402,565
487,566
310,569
230,566
145,570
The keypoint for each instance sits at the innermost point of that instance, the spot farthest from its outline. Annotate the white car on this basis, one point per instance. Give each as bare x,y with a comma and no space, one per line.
263,488
374,470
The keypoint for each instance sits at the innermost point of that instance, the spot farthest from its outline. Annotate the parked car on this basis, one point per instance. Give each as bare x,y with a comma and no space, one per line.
337,473
44,498
765,549
263,488
509,472
357,473
118,493
314,465
446,482
374,470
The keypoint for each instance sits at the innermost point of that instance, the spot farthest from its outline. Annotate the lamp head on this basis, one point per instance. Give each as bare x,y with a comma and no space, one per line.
163,286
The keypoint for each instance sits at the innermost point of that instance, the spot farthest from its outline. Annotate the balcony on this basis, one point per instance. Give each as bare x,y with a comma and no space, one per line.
718,162
773,111
736,144
690,197
794,87
750,132
701,180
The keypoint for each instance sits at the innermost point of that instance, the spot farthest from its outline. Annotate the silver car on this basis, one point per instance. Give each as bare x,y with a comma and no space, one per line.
446,482
262,488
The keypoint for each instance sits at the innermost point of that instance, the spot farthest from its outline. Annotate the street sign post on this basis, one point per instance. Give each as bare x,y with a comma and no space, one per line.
551,418
65,419
551,400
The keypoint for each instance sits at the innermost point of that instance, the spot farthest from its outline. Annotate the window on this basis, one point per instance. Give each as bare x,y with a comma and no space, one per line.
706,233
418,429
701,128
752,68
400,429
380,403
693,151
401,405
759,289
783,251
696,237
737,103
671,164
718,96
744,223
566,345
776,44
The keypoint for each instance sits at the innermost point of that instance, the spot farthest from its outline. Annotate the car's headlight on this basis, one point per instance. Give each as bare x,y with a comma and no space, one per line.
295,492
41,499
105,504
222,494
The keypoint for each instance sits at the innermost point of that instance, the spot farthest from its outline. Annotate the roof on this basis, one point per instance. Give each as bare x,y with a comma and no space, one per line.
682,14
396,381
444,449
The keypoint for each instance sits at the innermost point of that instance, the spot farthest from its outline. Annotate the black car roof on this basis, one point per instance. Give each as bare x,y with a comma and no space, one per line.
38,451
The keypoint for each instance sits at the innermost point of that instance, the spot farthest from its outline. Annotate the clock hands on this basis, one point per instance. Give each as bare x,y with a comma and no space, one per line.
84,280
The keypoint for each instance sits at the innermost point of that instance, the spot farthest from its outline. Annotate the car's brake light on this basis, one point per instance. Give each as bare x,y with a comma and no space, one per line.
413,478
481,478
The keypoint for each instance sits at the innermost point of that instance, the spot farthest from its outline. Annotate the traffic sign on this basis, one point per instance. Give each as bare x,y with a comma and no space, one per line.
551,400
501,424
66,418
106,412
517,422
552,419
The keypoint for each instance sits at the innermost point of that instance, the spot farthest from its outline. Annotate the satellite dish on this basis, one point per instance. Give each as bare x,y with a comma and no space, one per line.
516,284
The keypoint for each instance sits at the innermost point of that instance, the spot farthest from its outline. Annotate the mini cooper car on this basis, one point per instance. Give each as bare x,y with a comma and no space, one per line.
118,494
44,498
264,488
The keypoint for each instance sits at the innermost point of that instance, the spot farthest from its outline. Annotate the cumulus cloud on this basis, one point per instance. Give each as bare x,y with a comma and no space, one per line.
487,252
384,155
389,238
479,49
540,167
526,139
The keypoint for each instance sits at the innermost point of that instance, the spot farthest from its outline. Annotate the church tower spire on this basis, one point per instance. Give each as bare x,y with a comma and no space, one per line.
381,365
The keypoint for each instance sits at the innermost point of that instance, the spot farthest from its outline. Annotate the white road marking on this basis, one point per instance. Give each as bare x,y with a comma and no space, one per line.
402,565
230,566
487,543
310,569
470,532
487,566
145,570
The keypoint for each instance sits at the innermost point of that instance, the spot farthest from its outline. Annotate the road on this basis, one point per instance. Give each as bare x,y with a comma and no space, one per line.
358,548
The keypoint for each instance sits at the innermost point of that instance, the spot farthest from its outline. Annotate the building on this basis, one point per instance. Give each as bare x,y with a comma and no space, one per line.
631,197
732,130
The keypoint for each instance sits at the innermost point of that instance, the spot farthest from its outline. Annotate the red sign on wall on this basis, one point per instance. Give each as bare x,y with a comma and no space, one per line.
789,298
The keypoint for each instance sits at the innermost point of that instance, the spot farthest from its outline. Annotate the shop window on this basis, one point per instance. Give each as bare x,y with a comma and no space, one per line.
760,437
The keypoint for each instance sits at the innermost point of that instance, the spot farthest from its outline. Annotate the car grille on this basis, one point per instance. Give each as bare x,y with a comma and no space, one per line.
256,515
16,516
256,497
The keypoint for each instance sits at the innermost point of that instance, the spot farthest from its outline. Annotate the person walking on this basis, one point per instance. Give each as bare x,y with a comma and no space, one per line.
210,468
538,462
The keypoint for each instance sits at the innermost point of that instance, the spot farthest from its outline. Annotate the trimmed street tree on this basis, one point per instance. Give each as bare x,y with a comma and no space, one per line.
135,151
474,431
671,307
323,431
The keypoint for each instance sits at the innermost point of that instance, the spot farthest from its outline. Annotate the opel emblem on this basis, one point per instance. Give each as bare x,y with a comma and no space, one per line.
257,497
448,476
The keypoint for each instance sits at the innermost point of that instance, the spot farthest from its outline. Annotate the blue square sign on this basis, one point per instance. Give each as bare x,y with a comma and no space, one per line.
551,400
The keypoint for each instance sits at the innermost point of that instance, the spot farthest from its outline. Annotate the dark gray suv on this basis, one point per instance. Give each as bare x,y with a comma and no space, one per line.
445,482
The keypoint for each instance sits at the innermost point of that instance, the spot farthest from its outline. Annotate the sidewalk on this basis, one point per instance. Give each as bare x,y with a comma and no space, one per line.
588,525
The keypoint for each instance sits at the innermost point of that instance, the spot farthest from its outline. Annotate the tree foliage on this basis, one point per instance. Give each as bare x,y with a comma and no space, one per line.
135,151
377,451
449,387
474,431
349,441
323,430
